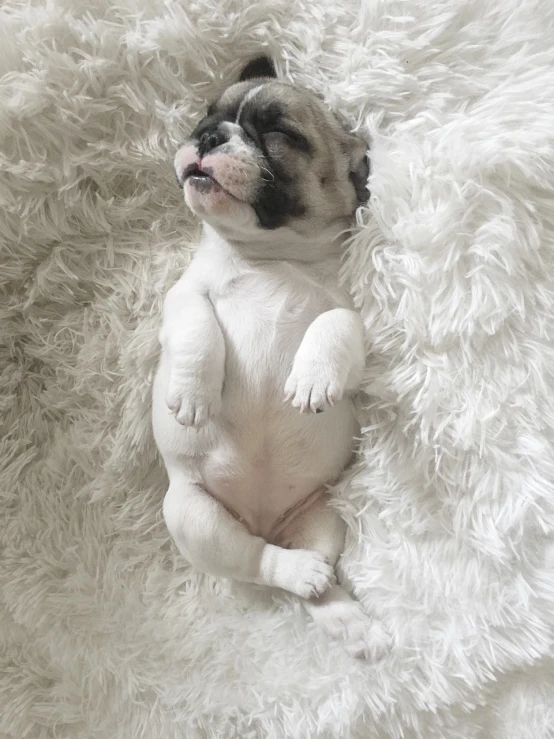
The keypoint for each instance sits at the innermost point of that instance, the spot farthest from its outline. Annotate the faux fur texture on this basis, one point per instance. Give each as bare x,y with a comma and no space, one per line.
105,630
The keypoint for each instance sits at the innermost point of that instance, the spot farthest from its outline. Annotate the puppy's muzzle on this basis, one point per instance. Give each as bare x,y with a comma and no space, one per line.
225,158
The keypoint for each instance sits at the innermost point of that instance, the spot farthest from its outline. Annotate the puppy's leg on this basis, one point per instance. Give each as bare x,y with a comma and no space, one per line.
321,529
193,342
209,537
329,361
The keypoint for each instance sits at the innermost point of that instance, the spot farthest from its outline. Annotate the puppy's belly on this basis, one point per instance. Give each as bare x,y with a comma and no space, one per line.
264,507
262,459
277,466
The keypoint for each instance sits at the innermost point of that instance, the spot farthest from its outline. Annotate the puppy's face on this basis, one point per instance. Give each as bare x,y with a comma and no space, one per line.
269,155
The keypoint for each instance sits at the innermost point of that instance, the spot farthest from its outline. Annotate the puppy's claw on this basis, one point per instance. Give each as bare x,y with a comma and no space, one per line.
304,572
311,386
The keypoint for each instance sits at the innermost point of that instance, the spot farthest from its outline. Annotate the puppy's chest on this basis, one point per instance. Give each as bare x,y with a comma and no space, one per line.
264,314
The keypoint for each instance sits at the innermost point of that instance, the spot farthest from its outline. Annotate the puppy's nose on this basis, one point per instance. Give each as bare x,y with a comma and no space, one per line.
210,140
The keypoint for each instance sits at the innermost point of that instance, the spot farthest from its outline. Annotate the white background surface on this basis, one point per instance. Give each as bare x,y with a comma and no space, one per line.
105,631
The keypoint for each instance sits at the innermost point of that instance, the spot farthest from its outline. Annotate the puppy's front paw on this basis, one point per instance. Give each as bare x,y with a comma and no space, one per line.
313,384
304,572
192,403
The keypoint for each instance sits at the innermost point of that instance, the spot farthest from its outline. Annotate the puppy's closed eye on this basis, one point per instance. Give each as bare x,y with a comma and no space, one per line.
287,136
278,137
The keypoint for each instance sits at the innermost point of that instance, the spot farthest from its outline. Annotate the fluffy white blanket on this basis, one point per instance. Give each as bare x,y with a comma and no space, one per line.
106,633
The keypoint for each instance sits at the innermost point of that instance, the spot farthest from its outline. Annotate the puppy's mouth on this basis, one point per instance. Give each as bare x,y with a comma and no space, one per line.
202,178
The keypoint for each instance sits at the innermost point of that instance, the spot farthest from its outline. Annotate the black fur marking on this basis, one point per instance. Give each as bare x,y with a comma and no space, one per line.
359,179
208,124
272,119
190,169
278,198
262,66
275,206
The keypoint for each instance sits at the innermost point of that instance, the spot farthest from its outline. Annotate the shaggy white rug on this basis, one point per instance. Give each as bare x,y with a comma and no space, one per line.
106,632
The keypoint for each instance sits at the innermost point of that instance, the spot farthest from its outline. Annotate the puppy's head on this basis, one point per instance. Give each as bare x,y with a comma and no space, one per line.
269,155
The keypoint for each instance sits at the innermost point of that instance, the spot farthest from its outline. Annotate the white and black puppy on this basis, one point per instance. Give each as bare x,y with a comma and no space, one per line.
256,330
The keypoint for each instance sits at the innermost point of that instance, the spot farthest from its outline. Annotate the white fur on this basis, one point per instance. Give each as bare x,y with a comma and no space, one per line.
249,96
105,630
243,337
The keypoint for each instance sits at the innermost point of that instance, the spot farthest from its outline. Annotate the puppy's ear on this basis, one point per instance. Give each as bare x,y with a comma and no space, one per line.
262,66
359,167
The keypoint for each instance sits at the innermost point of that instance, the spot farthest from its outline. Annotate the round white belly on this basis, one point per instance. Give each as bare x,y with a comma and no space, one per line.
268,457
276,461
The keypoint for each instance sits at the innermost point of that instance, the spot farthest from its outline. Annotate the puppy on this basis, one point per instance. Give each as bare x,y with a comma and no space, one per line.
262,352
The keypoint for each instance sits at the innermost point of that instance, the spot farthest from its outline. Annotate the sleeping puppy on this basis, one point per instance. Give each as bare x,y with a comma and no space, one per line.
253,407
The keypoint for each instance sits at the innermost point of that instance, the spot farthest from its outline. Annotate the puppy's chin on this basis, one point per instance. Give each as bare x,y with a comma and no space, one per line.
214,205
204,196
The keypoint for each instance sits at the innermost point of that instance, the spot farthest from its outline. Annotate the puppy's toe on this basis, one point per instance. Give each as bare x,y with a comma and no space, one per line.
305,573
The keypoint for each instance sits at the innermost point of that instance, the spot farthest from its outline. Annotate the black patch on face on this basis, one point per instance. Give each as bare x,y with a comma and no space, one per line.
276,203
272,119
210,123
278,198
